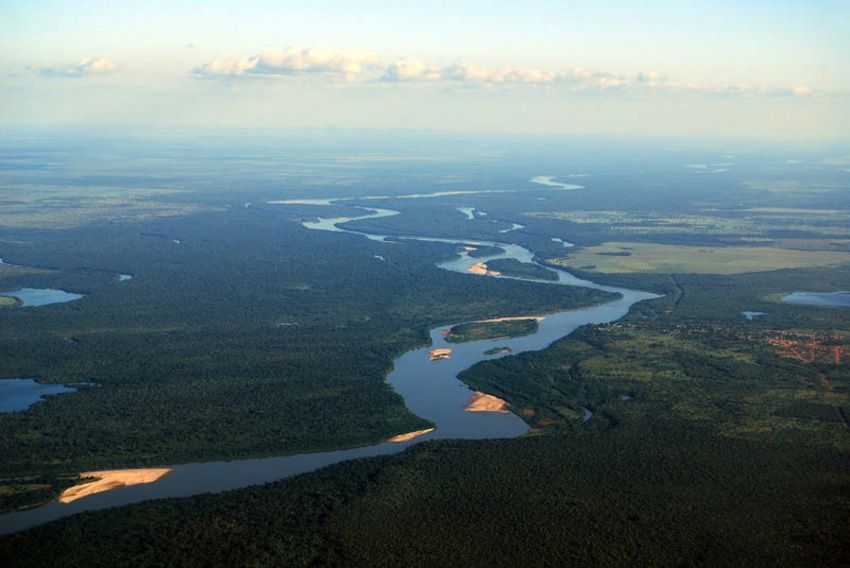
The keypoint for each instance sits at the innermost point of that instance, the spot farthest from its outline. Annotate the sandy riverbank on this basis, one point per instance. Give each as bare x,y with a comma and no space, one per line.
480,268
410,435
112,479
482,402
438,354
512,318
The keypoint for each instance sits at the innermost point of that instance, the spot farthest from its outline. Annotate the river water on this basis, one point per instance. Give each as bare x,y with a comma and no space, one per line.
430,389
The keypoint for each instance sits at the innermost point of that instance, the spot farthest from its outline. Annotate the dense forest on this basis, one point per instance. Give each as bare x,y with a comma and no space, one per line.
512,267
698,452
683,435
477,331
251,336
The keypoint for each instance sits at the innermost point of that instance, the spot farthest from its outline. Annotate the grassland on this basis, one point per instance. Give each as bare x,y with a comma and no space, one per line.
624,257
753,221
8,301
61,207
478,331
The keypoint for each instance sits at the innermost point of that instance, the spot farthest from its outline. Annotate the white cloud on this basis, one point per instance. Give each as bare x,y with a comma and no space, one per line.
295,61
412,70
82,68
415,70
478,74
796,91
652,77
366,66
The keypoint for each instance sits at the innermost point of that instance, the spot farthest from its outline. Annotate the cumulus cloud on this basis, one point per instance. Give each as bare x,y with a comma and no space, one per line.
576,79
796,91
366,66
82,68
478,74
415,70
651,77
412,70
295,61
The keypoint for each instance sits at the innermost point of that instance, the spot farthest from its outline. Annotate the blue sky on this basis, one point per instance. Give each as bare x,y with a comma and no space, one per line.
699,69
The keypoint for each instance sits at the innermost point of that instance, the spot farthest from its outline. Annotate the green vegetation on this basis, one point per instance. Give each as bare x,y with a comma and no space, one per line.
726,452
23,493
50,206
728,222
180,375
8,301
481,330
497,351
619,257
714,440
513,267
484,250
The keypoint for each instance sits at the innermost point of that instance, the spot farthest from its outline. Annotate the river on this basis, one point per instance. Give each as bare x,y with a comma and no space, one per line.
430,389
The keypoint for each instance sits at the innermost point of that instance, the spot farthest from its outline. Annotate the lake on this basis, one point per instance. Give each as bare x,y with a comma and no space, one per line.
34,297
824,299
19,394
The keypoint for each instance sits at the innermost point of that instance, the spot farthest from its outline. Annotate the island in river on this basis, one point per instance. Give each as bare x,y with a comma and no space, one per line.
480,330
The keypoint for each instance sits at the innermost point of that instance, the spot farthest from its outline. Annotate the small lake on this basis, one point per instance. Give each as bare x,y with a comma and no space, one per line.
753,315
825,299
34,297
19,394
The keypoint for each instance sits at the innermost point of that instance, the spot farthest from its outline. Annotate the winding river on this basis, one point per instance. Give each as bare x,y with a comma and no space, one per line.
430,389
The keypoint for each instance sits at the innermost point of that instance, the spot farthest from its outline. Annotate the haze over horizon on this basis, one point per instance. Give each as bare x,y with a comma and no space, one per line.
692,69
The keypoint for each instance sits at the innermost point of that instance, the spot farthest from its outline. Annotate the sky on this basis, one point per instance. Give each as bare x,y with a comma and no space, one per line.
715,69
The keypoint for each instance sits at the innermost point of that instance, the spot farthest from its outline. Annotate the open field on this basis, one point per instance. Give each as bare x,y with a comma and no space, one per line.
710,221
64,206
622,257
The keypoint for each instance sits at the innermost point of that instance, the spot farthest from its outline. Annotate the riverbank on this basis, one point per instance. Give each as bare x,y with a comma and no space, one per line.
111,479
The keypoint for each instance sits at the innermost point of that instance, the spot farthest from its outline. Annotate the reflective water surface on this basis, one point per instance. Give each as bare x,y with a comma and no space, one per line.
430,389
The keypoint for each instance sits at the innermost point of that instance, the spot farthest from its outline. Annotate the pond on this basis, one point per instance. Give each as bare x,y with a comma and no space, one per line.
825,299
19,394
34,297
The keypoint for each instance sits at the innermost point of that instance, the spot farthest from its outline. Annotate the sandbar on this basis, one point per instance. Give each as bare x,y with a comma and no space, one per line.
112,479
410,435
437,354
481,269
512,318
482,402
